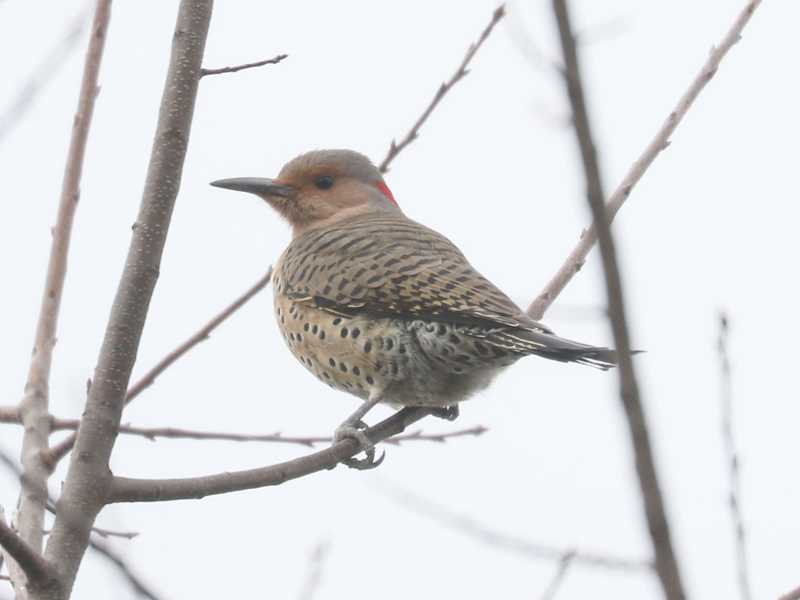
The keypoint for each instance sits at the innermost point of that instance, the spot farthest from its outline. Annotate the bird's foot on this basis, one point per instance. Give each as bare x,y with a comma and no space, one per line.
356,431
448,413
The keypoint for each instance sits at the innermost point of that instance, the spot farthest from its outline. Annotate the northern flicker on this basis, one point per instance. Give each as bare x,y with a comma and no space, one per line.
377,305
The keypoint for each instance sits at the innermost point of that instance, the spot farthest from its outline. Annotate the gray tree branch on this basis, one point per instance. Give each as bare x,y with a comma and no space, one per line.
88,478
125,489
10,414
512,543
461,72
588,238
252,65
732,456
33,408
33,564
666,562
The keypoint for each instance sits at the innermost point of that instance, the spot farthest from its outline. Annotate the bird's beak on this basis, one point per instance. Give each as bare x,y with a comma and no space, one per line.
261,186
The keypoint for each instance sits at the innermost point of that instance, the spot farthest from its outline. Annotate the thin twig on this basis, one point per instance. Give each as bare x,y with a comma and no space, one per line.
558,577
57,452
33,407
316,564
89,478
138,586
394,147
10,414
666,562
14,468
487,535
126,489
43,74
734,502
588,237
253,65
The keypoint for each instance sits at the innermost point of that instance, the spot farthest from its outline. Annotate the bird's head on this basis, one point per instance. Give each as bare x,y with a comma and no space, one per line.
320,188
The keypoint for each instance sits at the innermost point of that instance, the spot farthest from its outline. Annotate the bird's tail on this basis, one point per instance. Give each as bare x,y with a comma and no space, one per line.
548,345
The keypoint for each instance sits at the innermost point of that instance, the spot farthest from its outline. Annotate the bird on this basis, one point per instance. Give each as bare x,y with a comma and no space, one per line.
380,306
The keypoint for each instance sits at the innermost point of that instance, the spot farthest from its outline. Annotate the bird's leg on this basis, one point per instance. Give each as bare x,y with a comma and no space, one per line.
448,413
353,427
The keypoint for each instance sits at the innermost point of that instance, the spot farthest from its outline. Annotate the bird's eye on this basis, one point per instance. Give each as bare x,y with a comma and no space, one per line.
324,183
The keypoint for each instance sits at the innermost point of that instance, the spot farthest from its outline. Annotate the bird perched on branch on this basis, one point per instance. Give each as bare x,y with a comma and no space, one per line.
375,304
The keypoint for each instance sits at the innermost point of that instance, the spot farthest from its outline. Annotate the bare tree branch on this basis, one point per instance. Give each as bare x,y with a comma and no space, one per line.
10,414
156,490
394,147
43,74
62,449
484,534
33,408
12,466
314,575
734,503
588,238
558,577
33,564
666,562
253,65
793,595
89,479
133,580
103,550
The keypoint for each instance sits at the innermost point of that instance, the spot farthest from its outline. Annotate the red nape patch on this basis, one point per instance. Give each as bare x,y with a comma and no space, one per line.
381,185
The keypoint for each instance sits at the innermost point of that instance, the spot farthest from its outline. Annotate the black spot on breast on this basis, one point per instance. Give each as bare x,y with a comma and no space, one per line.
306,327
389,343
314,329
325,375
322,334
455,339
343,367
344,332
370,380
401,348
368,347
331,362
336,321
355,333
356,371
441,330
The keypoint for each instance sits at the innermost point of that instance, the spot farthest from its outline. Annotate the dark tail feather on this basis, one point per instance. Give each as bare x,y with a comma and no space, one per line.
553,347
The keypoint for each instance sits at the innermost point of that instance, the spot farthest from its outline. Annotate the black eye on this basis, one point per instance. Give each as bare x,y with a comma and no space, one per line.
324,183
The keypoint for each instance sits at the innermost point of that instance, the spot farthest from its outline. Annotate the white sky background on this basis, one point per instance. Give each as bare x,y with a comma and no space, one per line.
712,225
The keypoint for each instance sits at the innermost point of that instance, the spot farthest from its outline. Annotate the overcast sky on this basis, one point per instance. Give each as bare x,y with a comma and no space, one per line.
712,226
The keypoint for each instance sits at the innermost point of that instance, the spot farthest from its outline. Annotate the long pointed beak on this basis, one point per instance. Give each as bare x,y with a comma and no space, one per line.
260,186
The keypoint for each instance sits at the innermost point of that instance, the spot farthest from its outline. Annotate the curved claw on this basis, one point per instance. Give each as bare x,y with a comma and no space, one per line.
365,464
448,413
365,444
